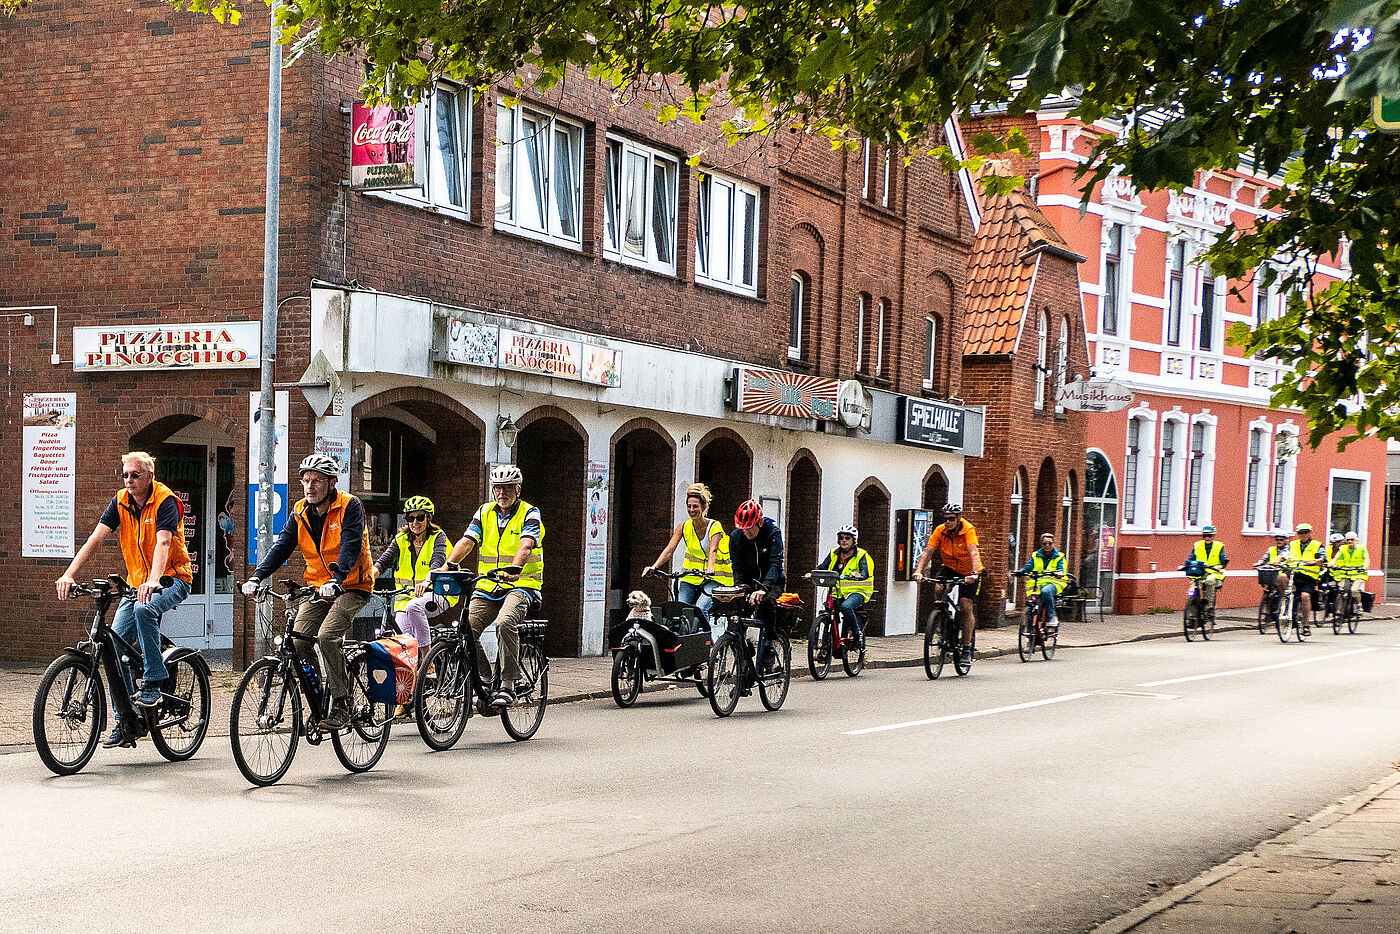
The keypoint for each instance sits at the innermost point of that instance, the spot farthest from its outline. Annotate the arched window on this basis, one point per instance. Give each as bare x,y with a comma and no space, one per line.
1169,470
1013,541
1062,361
1042,370
1067,507
862,331
931,352
1100,527
797,313
1256,481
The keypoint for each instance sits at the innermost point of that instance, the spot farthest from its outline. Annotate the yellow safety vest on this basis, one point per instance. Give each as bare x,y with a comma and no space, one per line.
697,554
1352,562
411,571
1299,554
1041,571
851,568
498,548
1274,556
1211,558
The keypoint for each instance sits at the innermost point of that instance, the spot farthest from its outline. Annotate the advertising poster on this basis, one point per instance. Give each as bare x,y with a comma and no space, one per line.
279,502
382,148
49,454
338,450
595,549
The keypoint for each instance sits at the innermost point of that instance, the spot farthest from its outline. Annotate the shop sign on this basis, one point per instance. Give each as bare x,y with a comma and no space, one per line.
931,424
46,511
230,345
854,405
473,344
382,148
774,392
1094,395
491,346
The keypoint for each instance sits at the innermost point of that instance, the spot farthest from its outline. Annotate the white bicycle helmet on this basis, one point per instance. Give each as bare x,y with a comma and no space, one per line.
849,530
1334,538
503,474
322,464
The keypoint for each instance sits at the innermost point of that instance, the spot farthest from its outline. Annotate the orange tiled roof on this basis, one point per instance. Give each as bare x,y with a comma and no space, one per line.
1001,266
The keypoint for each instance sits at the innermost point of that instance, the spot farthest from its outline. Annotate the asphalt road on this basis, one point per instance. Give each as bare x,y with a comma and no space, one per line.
885,803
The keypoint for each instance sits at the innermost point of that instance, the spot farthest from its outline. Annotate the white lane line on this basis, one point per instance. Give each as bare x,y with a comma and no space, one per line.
1147,694
969,715
1250,671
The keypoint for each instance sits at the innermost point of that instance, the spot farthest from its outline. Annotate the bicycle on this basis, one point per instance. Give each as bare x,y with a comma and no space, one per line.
1287,625
1035,631
672,646
1277,598
70,705
1196,616
733,673
942,633
825,641
267,719
1348,615
451,686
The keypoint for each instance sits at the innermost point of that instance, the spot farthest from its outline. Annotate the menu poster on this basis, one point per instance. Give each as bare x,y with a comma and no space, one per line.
48,467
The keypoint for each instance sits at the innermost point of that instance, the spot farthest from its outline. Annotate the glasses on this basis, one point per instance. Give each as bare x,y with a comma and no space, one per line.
418,518
131,474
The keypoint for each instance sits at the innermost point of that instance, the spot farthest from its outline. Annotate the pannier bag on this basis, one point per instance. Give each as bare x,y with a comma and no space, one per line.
1195,568
393,665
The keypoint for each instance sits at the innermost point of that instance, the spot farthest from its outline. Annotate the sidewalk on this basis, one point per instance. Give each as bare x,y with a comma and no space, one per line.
572,679
1337,871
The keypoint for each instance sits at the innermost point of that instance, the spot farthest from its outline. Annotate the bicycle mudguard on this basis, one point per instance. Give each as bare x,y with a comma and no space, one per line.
182,653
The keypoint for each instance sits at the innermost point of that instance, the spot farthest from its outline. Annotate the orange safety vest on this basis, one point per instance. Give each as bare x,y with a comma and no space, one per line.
321,555
138,538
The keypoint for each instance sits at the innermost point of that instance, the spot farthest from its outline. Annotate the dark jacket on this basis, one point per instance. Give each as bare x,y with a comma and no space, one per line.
759,561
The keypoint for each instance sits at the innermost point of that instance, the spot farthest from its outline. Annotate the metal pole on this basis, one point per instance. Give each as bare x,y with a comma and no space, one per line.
267,403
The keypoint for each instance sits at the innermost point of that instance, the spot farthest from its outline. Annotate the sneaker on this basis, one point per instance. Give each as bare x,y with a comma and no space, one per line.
149,696
339,717
116,738
503,697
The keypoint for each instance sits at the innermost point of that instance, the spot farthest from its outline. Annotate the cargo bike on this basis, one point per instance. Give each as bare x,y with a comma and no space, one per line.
672,644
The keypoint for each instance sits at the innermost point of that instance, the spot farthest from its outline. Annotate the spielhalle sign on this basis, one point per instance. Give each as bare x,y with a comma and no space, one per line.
233,345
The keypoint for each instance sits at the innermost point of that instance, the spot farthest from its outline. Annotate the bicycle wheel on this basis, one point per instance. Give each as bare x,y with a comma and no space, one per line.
1308,621
853,657
1353,613
70,710
1207,617
725,686
1190,619
819,647
1025,640
182,719
444,696
1284,624
962,660
1264,605
264,724
1338,615
1049,641
626,676
523,718
934,647
773,684
361,744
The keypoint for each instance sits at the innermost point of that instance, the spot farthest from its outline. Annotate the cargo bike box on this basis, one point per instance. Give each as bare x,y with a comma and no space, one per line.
675,639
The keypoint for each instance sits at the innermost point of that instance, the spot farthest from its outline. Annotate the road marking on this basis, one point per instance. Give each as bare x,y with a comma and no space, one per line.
969,715
1149,694
1250,671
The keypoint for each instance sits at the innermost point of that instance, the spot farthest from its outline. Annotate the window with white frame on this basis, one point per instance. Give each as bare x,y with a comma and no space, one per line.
1061,362
875,183
1176,266
640,190
1255,481
930,351
1014,546
443,144
797,314
1131,466
539,175
1195,475
1208,317
1347,512
1284,461
1169,469
726,234
1042,359
1112,287
1067,514
884,320
1261,298
862,329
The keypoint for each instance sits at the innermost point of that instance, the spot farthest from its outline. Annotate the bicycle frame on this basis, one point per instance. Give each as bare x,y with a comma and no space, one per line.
284,654
638,636
464,638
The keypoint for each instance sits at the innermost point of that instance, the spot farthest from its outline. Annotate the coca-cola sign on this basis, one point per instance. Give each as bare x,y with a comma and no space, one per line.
382,148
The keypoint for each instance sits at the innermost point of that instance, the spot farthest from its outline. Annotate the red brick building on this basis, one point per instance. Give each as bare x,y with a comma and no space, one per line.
135,200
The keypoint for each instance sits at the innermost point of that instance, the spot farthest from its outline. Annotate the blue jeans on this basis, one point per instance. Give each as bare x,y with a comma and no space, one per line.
1048,593
139,625
848,608
698,596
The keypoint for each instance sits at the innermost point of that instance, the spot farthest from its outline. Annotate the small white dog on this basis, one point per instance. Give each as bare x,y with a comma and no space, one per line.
640,605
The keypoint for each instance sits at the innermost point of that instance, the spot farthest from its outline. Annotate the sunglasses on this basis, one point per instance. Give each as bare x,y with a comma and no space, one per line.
420,517
131,474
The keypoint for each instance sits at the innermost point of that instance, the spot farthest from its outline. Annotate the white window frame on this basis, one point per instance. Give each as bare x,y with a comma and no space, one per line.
1262,505
1113,295
862,309
1175,479
1067,508
430,195
1017,530
884,180
619,195
1218,287
1333,476
930,351
797,314
883,317
1145,480
1042,359
1175,290
711,184
1205,499
1286,435
551,228
1061,364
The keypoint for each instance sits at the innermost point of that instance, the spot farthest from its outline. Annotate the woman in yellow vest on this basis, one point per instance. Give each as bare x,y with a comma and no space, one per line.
1351,562
420,547
1048,577
706,551
857,570
1211,554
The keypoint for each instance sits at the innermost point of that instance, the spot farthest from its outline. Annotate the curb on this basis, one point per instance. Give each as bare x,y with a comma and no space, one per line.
1306,827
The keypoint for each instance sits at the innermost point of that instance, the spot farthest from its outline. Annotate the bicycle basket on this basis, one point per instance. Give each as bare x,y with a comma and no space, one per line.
1195,569
825,578
1268,577
786,617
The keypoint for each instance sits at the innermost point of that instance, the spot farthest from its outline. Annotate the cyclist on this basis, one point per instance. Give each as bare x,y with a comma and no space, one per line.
328,525
1306,555
756,549
1277,555
955,543
1211,554
706,550
420,547
1048,578
149,520
857,569
508,532
1351,561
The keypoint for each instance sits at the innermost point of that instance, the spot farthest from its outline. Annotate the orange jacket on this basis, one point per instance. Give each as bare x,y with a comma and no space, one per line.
138,538
321,555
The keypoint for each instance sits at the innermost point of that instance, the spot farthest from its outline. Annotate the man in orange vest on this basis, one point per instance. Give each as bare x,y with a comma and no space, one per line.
149,518
328,525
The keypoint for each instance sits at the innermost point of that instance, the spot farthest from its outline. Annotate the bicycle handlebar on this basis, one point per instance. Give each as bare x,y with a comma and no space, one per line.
114,583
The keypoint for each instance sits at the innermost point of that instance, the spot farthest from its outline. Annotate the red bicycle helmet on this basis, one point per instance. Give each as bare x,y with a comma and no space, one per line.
748,515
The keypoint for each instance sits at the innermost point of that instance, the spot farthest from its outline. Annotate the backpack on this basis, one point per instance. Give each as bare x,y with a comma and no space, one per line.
392,668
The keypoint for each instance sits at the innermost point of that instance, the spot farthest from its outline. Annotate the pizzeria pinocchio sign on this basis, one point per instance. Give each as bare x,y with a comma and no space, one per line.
233,345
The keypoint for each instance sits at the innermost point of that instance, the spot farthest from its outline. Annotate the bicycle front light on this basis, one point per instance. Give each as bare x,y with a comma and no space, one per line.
277,641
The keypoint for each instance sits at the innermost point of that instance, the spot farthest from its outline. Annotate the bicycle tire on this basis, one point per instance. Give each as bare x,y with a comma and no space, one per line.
524,717
1049,641
361,744
773,691
934,649
1025,640
174,735
1353,614
1188,619
273,684
853,656
819,647
1338,622
626,676
1284,625
1207,622
81,685
723,676
443,699
1263,614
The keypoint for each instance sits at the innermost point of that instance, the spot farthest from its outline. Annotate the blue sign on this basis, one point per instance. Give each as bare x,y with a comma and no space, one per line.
279,516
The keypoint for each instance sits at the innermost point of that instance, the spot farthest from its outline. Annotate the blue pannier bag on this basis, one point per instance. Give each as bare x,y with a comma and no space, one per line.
391,664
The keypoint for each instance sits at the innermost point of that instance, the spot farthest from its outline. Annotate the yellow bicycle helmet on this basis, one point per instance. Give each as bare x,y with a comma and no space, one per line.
417,504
